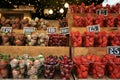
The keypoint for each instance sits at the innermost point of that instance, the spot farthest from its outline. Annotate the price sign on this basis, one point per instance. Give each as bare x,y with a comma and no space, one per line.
52,30
64,30
28,30
114,50
93,28
102,11
6,29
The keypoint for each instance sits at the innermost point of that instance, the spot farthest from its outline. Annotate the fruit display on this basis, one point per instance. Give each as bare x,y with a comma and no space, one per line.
35,39
90,39
27,67
113,66
40,39
114,38
96,66
82,66
50,64
79,54
103,21
58,40
66,66
17,23
92,8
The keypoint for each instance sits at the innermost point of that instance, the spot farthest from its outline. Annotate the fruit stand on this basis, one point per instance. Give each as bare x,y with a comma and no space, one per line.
81,54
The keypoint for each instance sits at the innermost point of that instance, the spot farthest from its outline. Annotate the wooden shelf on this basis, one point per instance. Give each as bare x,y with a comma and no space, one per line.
77,51
34,50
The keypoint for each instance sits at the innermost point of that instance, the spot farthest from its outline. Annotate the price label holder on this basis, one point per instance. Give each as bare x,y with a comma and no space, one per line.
28,30
93,28
51,30
64,30
6,29
114,50
102,11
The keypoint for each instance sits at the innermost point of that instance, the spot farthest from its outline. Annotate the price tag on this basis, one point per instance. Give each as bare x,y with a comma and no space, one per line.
28,30
64,30
114,50
102,11
52,30
93,28
6,29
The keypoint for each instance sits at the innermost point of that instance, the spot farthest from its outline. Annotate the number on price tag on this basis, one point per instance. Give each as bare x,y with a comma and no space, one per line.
6,29
102,11
52,30
28,30
94,28
114,50
64,30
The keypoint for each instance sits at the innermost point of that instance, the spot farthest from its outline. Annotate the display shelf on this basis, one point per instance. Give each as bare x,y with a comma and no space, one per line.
77,51
34,50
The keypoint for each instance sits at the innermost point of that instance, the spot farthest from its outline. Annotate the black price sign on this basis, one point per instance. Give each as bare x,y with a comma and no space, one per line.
28,30
6,29
93,28
102,11
114,50
52,30
64,30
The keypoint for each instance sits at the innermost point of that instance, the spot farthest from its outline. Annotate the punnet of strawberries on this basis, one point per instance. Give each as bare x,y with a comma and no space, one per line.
81,66
113,66
114,39
89,39
102,39
76,39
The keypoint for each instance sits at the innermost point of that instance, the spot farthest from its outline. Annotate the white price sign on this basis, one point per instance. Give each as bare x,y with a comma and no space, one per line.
28,30
102,11
114,50
93,28
64,30
6,29
52,30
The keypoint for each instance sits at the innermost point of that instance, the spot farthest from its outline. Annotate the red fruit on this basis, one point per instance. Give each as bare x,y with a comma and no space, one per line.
83,68
67,75
85,74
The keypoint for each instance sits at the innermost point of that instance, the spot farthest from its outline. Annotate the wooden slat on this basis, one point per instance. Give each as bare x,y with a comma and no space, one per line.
77,51
34,50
